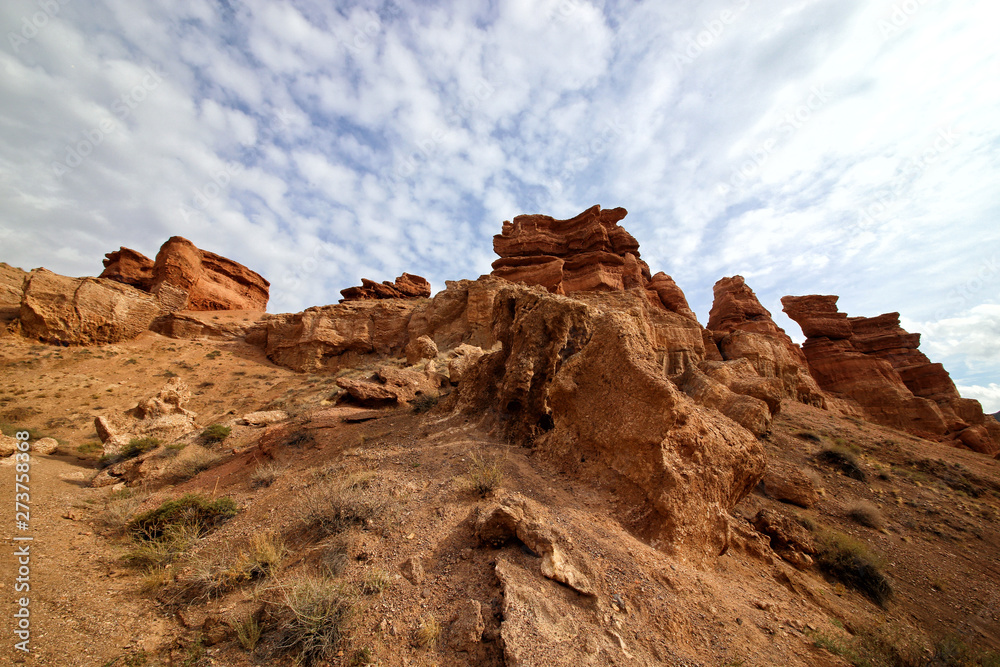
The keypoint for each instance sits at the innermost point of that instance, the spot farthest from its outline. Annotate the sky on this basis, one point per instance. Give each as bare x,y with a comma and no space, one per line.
843,147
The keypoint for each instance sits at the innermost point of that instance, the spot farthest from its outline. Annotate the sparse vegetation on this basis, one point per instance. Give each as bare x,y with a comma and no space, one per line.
844,459
190,510
265,474
428,632
248,631
215,433
258,560
332,506
486,471
424,402
214,354
853,564
190,466
866,514
316,611
375,581
877,646
120,507
135,448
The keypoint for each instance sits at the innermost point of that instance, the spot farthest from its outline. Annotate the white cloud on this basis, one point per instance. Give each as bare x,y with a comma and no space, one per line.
989,396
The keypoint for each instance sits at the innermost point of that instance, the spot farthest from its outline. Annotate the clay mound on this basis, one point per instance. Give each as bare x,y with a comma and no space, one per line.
407,286
183,277
563,362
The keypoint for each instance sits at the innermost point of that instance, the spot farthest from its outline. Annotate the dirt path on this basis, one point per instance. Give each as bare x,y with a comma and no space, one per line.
82,609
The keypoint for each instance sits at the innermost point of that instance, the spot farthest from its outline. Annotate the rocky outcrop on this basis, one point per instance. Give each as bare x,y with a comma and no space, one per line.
184,277
589,252
130,267
678,466
337,336
743,329
11,292
390,385
875,363
161,416
83,311
406,286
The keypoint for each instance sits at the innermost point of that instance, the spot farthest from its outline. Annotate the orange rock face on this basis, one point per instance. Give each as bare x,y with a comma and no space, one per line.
130,267
875,363
407,286
586,253
742,328
183,277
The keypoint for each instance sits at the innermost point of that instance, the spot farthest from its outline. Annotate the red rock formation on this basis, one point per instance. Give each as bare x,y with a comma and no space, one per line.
589,252
742,328
11,292
184,277
875,363
130,267
407,286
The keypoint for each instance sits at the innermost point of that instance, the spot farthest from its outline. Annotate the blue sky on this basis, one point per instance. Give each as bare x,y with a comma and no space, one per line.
818,146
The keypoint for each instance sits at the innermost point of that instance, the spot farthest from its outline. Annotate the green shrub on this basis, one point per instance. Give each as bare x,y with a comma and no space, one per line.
216,433
135,447
191,509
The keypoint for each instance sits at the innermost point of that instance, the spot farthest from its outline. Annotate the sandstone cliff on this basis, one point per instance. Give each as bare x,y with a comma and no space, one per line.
407,286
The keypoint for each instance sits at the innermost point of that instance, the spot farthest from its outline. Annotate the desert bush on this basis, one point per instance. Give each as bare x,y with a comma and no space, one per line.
424,402
316,612
212,576
953,651
190,510
190,466
120,507
866,514
333,560
175,541
248,631
215,433
844,459
850,562
375,581
486,471
428,632
135,447
876,646
332,506
265,474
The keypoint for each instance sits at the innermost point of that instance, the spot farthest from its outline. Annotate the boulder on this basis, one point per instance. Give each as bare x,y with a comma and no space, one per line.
679,467
751,413
407,286
788,539
461,359
788,484
512,516
130,267
467,627
423,347
45,446
338,336
161,416
8,445
390,385
83,311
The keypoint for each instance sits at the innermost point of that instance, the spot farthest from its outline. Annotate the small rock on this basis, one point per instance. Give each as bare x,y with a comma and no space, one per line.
413,570
45,446
265,417
467,627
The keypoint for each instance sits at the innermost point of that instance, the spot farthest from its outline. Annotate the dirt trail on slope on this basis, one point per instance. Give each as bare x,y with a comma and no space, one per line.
77,593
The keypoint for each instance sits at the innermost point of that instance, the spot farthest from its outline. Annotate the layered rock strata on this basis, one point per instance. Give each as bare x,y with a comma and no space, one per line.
184,277
407,286
876,364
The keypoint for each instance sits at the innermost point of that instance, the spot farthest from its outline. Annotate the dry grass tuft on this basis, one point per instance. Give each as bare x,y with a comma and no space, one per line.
486,471
315,611
265,474
866,514
428,632
332,506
